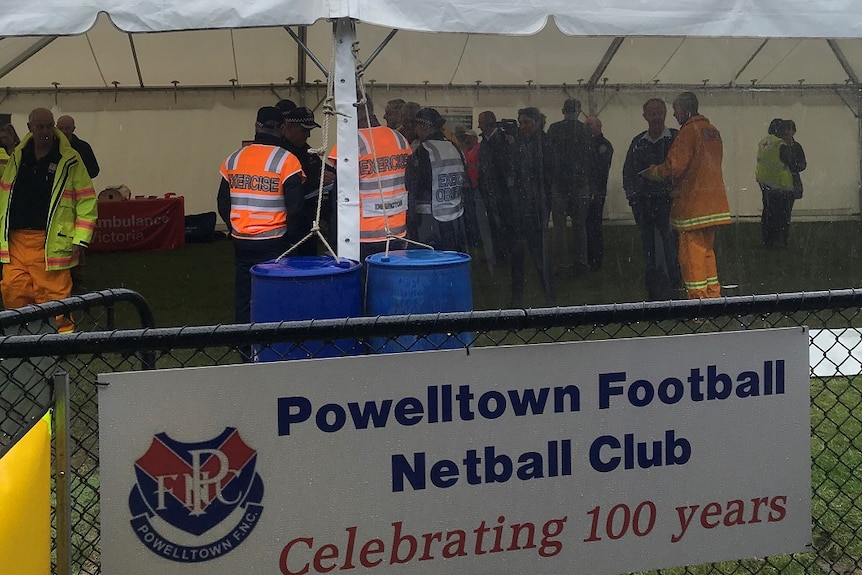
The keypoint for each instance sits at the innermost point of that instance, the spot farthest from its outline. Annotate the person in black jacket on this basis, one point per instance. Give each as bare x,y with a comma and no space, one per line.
603,153
298,124
495,180
650,202
66,124
793,156
529,204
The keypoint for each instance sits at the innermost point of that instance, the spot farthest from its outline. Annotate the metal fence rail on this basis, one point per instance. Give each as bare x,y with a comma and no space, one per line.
836,403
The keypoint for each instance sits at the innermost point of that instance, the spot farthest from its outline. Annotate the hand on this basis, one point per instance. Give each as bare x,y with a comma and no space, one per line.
328,177
651,173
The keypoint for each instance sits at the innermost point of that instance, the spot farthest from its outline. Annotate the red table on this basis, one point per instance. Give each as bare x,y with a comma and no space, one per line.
140,224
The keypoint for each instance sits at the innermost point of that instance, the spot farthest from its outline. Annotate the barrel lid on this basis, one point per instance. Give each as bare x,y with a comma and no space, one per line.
304,266
417,258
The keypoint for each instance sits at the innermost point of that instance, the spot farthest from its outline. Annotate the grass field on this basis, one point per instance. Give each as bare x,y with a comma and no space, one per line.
194,285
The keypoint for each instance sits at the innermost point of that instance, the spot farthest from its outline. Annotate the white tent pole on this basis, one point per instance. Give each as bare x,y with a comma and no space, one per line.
348,143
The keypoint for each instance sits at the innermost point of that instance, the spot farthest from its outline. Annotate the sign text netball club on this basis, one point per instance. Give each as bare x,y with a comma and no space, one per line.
616,456
447,403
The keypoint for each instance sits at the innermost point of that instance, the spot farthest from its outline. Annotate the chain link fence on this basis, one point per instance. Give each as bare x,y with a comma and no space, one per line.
31,352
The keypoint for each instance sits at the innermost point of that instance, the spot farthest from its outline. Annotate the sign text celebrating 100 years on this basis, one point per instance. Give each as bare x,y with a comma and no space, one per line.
622,455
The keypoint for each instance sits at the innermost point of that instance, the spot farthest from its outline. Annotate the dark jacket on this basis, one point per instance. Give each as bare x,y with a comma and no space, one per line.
86,152
495,165
532,171
643,153
793,157
571,154
603,154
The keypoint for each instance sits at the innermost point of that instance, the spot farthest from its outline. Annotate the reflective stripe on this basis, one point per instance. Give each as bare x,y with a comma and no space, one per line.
382,196
448,176
256,175
713,219
233,159
276,160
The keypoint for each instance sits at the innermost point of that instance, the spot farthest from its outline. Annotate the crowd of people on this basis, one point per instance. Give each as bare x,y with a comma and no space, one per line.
518,188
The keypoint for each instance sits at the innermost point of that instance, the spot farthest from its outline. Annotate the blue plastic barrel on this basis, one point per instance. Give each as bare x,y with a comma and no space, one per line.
418,281
302,288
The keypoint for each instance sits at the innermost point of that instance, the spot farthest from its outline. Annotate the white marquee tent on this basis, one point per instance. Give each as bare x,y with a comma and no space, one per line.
164,90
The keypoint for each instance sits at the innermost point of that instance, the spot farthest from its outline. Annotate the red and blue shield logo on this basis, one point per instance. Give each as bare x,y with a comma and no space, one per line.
193,487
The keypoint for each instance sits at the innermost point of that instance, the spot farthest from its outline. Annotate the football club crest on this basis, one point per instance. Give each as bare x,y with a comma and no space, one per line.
196,501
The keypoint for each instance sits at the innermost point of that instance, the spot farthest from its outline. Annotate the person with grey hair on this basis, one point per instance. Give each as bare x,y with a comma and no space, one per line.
392,113
570,146
650,203
699,203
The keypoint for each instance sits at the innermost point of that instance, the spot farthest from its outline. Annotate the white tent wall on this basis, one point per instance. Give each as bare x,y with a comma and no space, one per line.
158,141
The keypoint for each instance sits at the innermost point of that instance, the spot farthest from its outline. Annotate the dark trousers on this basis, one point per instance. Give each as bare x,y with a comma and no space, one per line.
775,218
500,233
529,234
662,276
246,254
595,237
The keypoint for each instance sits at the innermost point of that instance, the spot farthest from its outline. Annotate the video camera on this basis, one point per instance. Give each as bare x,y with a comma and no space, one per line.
509,127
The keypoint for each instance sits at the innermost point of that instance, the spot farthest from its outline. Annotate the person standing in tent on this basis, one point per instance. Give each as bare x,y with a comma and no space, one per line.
529,204
495,181
796,162
436,178
298,124
650,203
47,216
408,123
699,203
392,113
66,124
8,141
260,192
603,153
570,144
383,154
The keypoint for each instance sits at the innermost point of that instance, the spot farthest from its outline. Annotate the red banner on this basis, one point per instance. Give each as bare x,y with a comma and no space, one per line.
148,224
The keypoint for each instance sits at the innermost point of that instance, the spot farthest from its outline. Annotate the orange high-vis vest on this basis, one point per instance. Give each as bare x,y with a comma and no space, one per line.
256,174
382,196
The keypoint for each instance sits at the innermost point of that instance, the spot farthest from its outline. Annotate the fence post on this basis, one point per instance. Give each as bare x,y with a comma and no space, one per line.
63,508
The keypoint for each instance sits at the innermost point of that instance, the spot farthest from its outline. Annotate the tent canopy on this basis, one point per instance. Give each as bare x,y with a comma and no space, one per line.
762,18
106,57
130,44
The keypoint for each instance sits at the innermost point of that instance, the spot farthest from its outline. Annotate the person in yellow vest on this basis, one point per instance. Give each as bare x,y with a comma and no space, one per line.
776,185
47,216
383,154
8,141
261,187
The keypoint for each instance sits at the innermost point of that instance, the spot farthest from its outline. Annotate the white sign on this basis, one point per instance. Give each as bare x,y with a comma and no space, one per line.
611,456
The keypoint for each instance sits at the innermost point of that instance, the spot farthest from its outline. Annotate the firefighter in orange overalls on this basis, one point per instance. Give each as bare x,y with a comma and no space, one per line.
699,203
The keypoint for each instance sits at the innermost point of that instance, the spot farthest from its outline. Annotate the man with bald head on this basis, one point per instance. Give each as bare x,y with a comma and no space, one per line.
47,216
66,124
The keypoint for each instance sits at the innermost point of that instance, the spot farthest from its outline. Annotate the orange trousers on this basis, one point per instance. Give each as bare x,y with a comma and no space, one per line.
25,279
697,263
